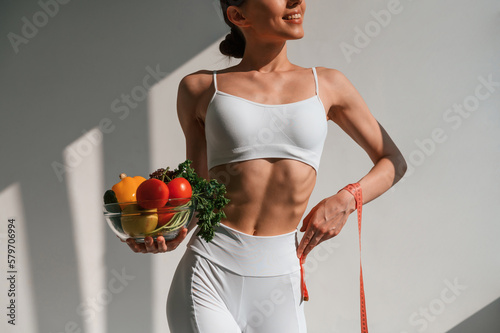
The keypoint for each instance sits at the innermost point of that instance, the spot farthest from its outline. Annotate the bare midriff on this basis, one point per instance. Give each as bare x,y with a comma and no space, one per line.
268,195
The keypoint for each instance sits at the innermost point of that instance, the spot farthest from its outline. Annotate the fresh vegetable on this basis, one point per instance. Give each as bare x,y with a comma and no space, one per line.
152,193
135,223
125,189
164,217
179,188
178,220
111,202
110,197
208,194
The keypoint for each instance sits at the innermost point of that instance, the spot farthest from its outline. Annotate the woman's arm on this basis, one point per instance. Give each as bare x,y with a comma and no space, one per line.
189,108
348,110
190,90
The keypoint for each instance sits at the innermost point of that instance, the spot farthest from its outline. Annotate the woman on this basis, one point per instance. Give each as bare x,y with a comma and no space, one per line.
259,127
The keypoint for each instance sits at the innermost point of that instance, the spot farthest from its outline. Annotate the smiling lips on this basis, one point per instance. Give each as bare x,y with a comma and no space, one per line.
292,17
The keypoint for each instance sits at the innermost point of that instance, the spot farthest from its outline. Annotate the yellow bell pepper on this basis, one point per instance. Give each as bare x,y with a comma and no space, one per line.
126,188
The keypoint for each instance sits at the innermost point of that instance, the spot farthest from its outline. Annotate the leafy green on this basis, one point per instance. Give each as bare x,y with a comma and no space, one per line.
209,196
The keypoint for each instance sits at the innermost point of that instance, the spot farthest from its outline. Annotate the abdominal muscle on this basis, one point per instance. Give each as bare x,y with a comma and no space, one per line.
268,196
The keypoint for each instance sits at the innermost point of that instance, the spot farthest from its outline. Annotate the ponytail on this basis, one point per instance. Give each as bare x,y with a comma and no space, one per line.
234,43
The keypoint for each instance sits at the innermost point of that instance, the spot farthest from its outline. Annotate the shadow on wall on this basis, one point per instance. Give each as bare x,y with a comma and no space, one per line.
75,70
485,320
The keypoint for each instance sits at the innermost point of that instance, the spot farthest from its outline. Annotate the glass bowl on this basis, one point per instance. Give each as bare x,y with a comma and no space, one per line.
129,220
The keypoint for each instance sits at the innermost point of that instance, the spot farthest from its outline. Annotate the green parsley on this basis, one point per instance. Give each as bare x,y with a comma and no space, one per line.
209,197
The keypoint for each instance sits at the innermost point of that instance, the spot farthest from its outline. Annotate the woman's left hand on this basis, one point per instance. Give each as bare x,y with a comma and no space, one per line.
325,221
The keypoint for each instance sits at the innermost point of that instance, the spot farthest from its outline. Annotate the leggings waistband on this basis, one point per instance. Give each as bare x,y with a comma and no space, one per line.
249,255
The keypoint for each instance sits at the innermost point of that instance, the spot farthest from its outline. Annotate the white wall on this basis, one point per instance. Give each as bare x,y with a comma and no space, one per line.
429,245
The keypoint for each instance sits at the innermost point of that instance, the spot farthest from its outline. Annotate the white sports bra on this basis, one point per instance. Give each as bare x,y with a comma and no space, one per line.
237,129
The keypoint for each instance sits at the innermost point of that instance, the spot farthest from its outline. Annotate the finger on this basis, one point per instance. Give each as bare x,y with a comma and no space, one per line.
133,245
303,258
311,245
172,245
318,239
150,244
162,245
141,247
304,225
304,242
180,237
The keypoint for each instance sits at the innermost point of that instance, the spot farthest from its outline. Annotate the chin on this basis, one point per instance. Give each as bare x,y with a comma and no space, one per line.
298,35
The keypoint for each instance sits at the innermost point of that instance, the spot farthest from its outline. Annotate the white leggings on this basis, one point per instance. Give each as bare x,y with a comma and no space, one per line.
237,283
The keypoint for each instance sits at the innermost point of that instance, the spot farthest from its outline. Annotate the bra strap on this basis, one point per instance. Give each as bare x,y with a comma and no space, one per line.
316,80
215,79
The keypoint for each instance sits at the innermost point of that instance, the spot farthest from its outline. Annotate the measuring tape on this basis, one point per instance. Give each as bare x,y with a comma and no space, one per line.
355,190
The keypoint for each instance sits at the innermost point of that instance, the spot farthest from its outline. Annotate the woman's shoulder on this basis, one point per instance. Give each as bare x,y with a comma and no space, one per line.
335,88
199,82
196,83
334,82
330,75
194,92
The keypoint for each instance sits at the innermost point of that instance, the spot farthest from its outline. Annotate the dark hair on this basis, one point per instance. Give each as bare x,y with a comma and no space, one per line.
234,43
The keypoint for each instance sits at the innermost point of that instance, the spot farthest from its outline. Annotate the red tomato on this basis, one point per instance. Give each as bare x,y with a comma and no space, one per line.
152,193
164,218
179,188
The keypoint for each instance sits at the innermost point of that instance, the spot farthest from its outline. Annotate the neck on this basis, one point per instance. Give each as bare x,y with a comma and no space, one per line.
265,57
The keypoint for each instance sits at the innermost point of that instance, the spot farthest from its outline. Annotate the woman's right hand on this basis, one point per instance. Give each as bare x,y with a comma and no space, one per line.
160,246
